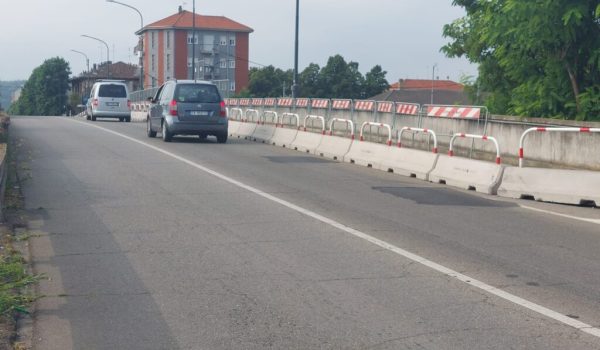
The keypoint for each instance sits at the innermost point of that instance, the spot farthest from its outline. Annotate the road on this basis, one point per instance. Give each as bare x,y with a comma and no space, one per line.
199,245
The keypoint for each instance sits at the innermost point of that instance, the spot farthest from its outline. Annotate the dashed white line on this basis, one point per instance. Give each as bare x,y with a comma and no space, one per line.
584,327
593,221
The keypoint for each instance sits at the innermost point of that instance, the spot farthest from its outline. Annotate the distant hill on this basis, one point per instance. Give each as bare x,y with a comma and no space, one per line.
6,90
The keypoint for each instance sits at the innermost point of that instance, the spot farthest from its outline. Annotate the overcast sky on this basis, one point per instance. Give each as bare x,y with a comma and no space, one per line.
403,36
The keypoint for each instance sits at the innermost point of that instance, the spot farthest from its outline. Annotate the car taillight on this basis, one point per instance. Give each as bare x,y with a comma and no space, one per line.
173,108
223,110
95,102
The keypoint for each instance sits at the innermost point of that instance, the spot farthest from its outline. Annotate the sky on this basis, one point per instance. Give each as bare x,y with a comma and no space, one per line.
403,36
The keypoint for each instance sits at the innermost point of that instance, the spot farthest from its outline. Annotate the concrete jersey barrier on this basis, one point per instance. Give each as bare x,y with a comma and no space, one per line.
551,185
409,162
334,147
284,137
368,154
469,174
263,133
306,141
246,129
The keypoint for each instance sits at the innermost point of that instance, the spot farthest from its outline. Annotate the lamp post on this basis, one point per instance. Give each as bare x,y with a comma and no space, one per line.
432,80
141,40
107,53
295,86
87,60
194,39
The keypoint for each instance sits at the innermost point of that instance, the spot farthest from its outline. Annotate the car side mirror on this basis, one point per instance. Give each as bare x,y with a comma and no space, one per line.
151,99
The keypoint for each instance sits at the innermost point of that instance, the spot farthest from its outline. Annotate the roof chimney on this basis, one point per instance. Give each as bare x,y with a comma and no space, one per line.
180,9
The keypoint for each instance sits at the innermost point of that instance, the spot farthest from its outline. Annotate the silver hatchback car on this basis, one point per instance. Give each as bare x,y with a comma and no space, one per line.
187,107
109,99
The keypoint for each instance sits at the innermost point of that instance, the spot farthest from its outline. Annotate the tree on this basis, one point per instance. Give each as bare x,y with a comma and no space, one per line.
536,58
45,92
268,81
375,82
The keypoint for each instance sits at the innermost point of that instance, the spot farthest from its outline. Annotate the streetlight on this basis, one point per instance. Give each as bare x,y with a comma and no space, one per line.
432,80
87,60
295,83
141,40
107,54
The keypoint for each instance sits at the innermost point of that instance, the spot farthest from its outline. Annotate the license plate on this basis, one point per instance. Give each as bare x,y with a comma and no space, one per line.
200,113
114,104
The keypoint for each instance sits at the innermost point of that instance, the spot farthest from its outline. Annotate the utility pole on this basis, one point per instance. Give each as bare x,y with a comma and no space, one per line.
295,87
194,39
432,80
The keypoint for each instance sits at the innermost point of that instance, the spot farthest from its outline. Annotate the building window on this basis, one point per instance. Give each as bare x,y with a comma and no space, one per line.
223,41
223,63
232,86
152,38
192,40
168,39
153,63
168,62
232,64
232,41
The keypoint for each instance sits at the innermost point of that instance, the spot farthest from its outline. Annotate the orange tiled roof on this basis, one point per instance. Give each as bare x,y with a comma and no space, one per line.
418,84
183,19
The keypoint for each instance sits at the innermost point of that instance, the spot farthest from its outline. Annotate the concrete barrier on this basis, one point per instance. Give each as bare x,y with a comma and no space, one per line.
335,147
577,187
468,174
285,133
264,132
233,127
409,162
368,154
246,129
138,116
309,141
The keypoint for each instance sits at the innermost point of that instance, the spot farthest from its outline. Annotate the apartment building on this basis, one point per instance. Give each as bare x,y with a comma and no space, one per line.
219,47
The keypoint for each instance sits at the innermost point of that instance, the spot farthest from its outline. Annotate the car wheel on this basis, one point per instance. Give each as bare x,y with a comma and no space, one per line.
121,119
166,134
149,131
222,138
93,118
202,136
128,119
87,117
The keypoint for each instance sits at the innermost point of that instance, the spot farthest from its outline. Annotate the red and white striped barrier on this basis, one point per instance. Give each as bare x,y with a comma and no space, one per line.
285,102
302,102
465,112
319,103
244,102
257,102
385,107
340,104
407,108
481,137
543,129
269,102
378,125
365,105
416,130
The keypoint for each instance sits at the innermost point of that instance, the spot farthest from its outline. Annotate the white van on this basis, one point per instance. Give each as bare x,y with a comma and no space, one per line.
109,99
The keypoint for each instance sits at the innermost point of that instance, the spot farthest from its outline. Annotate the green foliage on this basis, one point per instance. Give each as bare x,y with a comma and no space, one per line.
536,58
337,79
13,278
45,92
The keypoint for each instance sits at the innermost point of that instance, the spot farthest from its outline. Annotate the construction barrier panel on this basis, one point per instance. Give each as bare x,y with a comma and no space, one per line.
286,130
369,154
469,174
410,162
336,147
235,120
309,141
266,127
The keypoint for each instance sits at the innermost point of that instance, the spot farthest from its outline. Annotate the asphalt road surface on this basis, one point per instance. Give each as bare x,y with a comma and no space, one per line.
199,245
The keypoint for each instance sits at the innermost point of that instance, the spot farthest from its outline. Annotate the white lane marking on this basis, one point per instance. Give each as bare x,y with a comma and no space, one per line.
584,327
593,221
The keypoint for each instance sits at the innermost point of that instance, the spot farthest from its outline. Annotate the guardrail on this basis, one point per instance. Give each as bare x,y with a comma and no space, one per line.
290,115
253,112
348,123
273,115
417,130
239,113
541,129
378,125
315,117
481,137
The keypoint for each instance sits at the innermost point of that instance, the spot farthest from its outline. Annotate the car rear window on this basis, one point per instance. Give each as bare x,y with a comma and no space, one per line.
197,93
112,90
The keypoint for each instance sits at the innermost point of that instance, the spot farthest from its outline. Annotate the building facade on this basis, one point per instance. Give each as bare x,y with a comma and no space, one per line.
219,47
